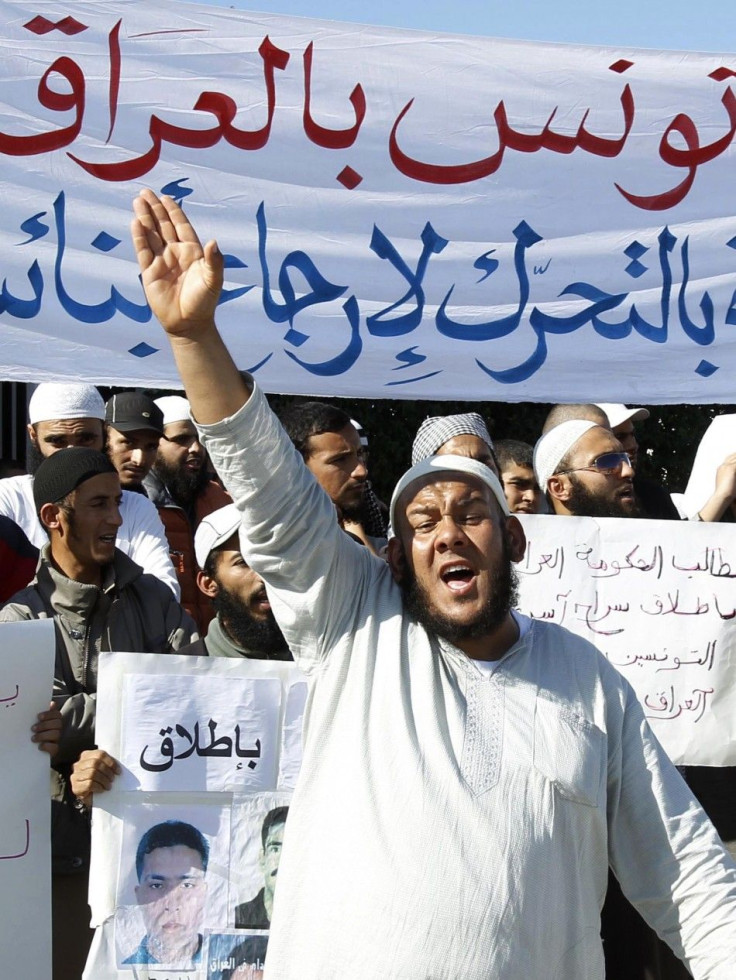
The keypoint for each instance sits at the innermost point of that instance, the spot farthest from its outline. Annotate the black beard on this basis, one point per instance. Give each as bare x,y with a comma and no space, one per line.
261,636
503,599
35,458
183,485
583,503
354,512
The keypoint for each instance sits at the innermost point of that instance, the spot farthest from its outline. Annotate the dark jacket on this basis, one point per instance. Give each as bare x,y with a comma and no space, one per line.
180,527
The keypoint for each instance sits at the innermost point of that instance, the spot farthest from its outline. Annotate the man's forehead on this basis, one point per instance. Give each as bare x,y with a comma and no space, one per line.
597,440
518,470
276,831
230,548
330,442
176,854
68,425
177,428
445,469
433,487
101,485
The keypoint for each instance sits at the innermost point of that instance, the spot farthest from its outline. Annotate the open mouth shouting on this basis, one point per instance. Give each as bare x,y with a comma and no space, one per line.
458,576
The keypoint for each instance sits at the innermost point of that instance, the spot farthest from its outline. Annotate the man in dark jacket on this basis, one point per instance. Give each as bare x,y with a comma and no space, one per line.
99,600
180,487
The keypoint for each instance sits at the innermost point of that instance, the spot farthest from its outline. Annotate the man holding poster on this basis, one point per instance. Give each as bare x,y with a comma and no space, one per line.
474,771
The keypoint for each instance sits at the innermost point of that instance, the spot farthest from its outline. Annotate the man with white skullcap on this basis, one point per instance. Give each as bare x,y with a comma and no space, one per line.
585,472
652,499
477,770
65,415
180,487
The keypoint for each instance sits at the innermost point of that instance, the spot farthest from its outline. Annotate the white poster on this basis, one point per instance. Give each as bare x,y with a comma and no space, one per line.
403,214
185,856
25,825
660,605
182,736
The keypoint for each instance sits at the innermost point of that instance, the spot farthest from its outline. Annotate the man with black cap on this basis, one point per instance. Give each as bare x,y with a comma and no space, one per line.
99,600
487,768
135,425
62,416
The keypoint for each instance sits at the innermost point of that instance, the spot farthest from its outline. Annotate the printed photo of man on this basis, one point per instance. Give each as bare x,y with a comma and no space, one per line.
171,867
256,914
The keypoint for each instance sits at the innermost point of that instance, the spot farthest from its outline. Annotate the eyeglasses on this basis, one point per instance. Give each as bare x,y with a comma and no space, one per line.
609,464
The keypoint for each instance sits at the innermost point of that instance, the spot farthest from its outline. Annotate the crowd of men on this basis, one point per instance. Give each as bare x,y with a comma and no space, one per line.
480,843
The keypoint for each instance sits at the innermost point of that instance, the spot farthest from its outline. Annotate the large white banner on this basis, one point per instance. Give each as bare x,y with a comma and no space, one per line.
660,606
404,214
25,809
186,844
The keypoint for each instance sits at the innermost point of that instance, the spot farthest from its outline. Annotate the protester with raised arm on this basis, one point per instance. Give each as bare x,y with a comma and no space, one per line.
468,774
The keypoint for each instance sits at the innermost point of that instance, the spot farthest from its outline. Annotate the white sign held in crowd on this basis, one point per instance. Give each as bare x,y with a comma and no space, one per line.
402,215
660,605
25,825
210,749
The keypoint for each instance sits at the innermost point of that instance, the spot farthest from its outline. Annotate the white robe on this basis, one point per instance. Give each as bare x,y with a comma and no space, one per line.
450,824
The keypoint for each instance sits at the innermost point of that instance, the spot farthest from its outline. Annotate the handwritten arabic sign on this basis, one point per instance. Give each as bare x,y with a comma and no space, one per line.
189,808
660,606
401,216
25,830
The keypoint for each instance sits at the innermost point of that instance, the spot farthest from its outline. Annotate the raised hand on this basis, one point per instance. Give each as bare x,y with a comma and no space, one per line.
182,280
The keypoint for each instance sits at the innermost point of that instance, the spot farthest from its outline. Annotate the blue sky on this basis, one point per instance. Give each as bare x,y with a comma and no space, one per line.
693,25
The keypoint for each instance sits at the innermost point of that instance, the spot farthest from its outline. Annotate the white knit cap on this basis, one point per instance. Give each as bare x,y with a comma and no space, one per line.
65,401
555,445
438,465
215,529
174,407
618,413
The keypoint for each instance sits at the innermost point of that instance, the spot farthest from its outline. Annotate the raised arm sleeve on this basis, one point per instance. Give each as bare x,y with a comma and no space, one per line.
314,572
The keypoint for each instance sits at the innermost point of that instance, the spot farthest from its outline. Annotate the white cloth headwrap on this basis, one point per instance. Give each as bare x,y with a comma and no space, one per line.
438,465
174,407
555,445
435,431
718,442
65,401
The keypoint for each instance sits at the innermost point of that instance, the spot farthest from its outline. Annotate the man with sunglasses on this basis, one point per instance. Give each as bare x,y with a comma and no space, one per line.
585,472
